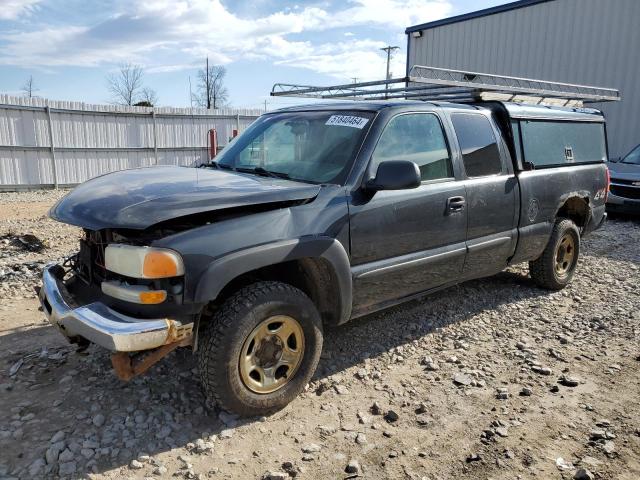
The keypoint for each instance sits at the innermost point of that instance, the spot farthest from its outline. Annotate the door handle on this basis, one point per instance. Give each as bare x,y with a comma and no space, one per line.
455,204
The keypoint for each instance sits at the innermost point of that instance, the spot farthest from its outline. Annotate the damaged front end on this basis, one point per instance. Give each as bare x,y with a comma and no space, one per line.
140,319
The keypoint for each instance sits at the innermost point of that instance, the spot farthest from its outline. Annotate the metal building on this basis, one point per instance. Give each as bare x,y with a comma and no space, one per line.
589,42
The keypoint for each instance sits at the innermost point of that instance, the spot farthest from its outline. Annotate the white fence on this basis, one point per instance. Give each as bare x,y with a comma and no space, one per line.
46,143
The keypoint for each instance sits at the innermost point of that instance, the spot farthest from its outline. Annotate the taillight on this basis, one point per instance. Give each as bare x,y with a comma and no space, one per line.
606,192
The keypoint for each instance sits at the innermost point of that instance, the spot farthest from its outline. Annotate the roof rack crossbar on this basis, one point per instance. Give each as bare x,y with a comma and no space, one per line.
433,83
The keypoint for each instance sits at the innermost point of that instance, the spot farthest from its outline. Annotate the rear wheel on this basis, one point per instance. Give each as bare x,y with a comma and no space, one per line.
260,348
557,264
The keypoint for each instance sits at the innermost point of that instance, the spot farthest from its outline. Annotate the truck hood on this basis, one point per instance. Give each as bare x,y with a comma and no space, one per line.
624,171
140,198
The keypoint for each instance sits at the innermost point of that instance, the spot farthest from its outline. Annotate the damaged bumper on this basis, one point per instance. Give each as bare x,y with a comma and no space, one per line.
102,325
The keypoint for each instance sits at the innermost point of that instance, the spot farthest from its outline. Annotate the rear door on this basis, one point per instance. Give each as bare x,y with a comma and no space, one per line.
491,193
408,241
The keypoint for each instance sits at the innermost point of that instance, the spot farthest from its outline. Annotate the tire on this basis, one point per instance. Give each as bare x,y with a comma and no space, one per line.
242,383
555,268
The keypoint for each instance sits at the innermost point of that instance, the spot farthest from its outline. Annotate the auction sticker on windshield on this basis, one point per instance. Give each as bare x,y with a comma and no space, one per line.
347,121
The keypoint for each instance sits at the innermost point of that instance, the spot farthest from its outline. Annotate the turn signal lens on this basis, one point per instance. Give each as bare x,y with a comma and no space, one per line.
161,264
152,297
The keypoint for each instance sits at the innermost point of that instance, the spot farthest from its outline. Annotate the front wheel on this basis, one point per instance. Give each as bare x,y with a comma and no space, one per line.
557,264
259,350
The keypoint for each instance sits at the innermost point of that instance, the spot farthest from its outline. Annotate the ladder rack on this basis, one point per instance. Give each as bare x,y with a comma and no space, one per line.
441,84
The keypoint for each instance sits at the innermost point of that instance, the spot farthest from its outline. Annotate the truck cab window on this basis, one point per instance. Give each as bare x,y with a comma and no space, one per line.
418,138
480,154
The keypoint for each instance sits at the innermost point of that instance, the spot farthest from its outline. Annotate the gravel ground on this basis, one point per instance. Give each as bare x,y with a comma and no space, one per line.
491,379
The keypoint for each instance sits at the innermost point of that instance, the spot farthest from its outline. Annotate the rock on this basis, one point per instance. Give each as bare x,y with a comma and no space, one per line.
376,409
311,448
474,457
526,392
160,470
226,434
290,468
58,436
609,447
583,474
36,469
462,380
502,393
353,467
568,381
136,465
229,419
502,432
66,456
275,476
423,420
52,453
554,389
87,453
203,447
68,468
98,420
429,364
341,389
562,464
391,416
361,439
541,370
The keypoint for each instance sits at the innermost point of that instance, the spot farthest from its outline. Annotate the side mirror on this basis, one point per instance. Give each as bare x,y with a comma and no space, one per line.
395,175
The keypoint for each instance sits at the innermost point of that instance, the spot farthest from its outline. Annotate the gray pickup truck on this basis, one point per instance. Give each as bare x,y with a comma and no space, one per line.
316,215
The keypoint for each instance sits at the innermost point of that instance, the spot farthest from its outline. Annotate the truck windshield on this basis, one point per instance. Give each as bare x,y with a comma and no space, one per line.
633,157
316,147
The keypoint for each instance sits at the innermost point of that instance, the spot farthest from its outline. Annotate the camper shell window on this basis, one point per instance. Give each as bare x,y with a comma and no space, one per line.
548,143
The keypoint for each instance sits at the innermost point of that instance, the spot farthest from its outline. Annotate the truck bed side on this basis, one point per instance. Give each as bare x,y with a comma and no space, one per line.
572,190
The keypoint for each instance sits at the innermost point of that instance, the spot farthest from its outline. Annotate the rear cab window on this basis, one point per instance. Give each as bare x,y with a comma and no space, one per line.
478,144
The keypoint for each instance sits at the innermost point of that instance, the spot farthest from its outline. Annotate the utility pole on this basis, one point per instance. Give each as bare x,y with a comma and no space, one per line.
388,49
190,94
355,79
208,87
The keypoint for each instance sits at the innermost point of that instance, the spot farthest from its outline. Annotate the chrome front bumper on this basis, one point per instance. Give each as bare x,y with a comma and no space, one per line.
100,324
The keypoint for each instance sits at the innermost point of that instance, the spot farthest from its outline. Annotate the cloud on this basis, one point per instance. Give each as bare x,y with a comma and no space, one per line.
12,9
169,35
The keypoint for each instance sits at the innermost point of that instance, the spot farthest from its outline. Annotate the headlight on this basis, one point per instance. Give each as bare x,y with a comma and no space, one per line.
143,262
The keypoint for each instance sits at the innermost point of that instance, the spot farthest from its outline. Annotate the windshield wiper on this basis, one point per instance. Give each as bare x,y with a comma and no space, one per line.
264,172
216,165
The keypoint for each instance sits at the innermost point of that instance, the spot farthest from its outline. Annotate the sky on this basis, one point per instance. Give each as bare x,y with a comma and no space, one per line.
69,47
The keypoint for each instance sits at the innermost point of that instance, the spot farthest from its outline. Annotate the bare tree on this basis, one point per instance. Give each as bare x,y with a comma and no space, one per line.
29,88
147,98
211,91
126,86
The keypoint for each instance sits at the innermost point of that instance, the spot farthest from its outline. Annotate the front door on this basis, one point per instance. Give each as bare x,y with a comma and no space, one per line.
408,241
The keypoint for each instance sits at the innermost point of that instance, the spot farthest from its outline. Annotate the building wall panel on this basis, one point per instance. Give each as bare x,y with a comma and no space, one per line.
590,42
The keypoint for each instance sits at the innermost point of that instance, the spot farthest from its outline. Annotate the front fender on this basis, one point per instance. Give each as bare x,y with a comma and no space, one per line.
225,269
